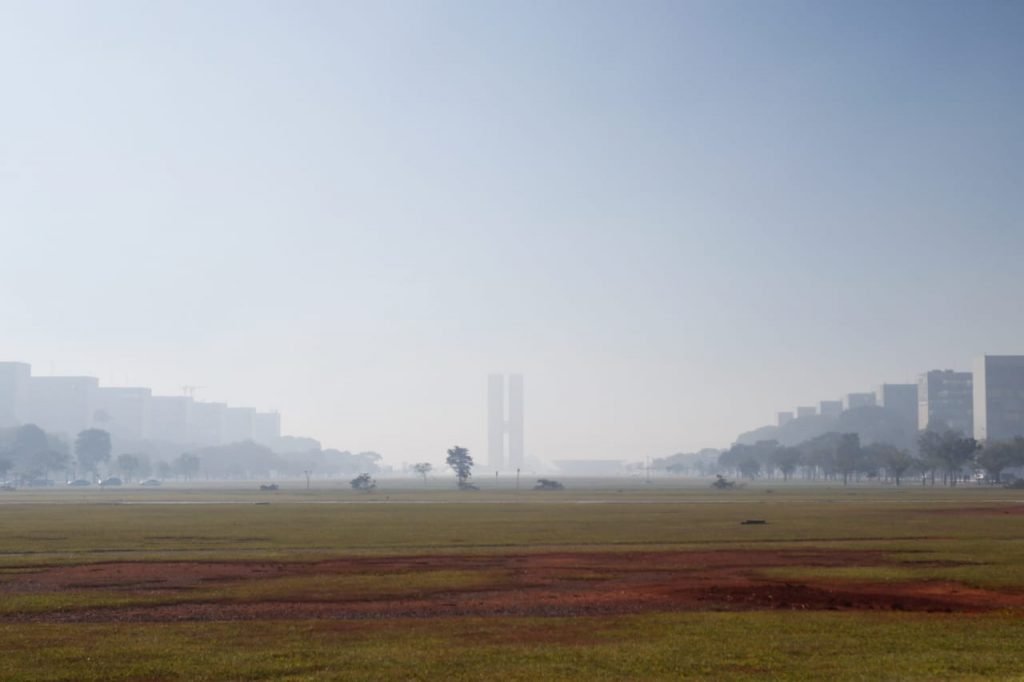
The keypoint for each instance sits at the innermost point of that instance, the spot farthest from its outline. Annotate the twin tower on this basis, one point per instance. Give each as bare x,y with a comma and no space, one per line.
500,422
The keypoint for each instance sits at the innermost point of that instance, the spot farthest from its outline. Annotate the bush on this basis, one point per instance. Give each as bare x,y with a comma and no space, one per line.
548,484
363,482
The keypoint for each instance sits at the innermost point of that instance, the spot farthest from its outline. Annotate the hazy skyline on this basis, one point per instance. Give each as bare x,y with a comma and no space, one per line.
673,218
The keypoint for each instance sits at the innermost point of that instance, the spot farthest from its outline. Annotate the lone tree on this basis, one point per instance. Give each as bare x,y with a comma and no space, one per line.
92,447
186,465
363,482
461,463
423,469
128,465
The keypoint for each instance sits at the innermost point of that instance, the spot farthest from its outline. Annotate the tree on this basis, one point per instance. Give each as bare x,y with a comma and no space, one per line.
995,457
892,459
948,451
786,459
461,463
92,448
5,466
363,482
423,469
128,465
186,465
848,455
749,467
52,460
29,444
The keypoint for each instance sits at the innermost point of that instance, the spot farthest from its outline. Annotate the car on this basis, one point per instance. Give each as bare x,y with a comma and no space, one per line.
111,482
79,483
152,483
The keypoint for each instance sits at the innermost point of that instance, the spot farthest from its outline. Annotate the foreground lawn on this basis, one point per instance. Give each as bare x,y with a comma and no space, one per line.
705,646
972,537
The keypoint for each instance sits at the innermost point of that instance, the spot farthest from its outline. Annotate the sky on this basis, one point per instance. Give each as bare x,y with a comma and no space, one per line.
674,218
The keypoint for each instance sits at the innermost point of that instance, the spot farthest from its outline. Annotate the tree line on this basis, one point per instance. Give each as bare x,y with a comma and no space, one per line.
30,455
948,457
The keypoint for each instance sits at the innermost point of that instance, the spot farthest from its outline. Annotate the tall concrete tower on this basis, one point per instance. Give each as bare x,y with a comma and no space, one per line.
515,421
496,421
498,424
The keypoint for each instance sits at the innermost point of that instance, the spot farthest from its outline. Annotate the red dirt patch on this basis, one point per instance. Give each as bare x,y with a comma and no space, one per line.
552,584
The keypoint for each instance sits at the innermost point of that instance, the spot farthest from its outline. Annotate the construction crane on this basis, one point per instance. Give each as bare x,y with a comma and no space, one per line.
190,391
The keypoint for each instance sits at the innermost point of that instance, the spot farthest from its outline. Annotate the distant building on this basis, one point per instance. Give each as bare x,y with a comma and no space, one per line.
945,400
61,405
591,467
806,411
123,412
266,428
171,418
830,408
901,399
14,378
207,426
851,401
238,423
998,400
498,424
782,418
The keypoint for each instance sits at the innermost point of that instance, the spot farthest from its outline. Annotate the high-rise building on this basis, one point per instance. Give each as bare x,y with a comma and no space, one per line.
945,400
61,405
998,397
14,378
496,422
171,418
123,412
782,418
851,401
830,408
902,400
516,457
208,424
238,422
266,428
498,425
806,411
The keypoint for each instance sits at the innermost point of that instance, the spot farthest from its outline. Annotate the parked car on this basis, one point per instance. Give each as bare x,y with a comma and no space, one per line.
112,481
79,483
152,483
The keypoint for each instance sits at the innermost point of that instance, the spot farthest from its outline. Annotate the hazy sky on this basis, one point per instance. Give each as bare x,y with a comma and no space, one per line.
674,218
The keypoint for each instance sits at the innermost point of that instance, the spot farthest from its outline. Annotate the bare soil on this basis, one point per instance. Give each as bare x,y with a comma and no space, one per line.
547,584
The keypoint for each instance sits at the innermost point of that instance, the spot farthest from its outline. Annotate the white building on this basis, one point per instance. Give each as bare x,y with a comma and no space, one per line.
61,405
208,424
123,412
238,422
14,378
266,428
171,418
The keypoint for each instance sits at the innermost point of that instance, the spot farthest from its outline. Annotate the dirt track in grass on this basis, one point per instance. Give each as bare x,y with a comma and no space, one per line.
544,584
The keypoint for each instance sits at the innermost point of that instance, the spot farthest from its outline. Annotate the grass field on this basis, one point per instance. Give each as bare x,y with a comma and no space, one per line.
618,582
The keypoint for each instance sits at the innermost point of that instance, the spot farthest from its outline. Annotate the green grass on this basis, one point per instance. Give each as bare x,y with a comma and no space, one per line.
711,646
917,530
